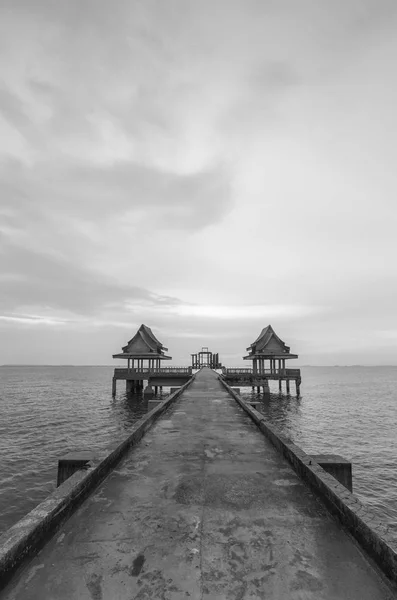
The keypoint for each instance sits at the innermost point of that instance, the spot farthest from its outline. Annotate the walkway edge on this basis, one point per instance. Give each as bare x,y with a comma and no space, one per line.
30,533
359,520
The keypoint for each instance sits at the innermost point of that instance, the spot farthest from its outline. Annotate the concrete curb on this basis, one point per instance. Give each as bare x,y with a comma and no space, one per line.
28,535
365,526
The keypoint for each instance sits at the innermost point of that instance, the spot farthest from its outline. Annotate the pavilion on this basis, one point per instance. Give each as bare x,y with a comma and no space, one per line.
269,347
143,351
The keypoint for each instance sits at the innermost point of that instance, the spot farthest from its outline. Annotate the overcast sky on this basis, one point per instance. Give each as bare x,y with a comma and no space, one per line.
205,168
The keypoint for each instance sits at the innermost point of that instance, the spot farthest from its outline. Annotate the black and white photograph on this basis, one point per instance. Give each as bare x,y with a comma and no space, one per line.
198,300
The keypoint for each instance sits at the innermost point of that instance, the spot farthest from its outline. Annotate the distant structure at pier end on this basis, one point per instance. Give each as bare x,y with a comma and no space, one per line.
206,358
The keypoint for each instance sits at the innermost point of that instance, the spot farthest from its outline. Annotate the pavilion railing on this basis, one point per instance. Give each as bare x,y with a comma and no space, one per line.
160,371
293,372
237,371
282,372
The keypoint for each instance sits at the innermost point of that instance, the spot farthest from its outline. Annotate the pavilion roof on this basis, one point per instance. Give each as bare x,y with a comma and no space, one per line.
268,343
284,355
150,333
143,344
142,355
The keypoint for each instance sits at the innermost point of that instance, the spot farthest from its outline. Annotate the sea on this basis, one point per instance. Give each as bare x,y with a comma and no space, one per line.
47,412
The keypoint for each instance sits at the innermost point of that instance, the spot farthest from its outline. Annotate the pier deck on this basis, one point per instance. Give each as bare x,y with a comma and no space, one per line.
203,508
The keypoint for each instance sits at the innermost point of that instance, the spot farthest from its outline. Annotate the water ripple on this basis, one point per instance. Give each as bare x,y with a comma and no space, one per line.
349,411
47,412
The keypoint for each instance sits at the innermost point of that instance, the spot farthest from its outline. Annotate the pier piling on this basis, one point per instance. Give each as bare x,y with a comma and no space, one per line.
148,392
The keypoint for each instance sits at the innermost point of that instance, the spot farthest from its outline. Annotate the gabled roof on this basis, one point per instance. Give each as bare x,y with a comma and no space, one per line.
143,343
140,342
150,333
266,336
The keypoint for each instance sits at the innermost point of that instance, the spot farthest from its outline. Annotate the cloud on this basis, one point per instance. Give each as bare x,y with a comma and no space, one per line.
205,167
31,320
12,109
36,280
245,311
124,186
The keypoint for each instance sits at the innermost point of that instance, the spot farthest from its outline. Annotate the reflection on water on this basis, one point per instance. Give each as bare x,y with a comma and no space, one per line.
280,409
129,408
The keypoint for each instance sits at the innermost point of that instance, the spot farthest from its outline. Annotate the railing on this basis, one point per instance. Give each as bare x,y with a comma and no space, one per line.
237,371
293,372
174,370
161,371
281,372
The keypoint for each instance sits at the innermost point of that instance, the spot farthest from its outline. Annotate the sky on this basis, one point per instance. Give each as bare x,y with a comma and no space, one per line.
206,168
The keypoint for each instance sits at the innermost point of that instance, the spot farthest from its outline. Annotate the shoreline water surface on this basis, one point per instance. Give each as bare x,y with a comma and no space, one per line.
49,411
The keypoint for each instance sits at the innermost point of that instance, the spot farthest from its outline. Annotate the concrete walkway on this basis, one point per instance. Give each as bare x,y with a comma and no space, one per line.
203,507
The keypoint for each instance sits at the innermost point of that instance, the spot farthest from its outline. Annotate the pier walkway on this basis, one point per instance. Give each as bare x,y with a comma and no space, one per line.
202,508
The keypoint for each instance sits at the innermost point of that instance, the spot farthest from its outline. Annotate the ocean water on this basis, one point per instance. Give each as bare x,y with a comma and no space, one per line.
49,411
351,411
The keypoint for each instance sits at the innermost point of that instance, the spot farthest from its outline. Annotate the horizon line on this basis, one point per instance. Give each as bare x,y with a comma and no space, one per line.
233,366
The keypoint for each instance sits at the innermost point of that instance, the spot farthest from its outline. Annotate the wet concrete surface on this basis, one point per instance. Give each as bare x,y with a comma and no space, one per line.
203,508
